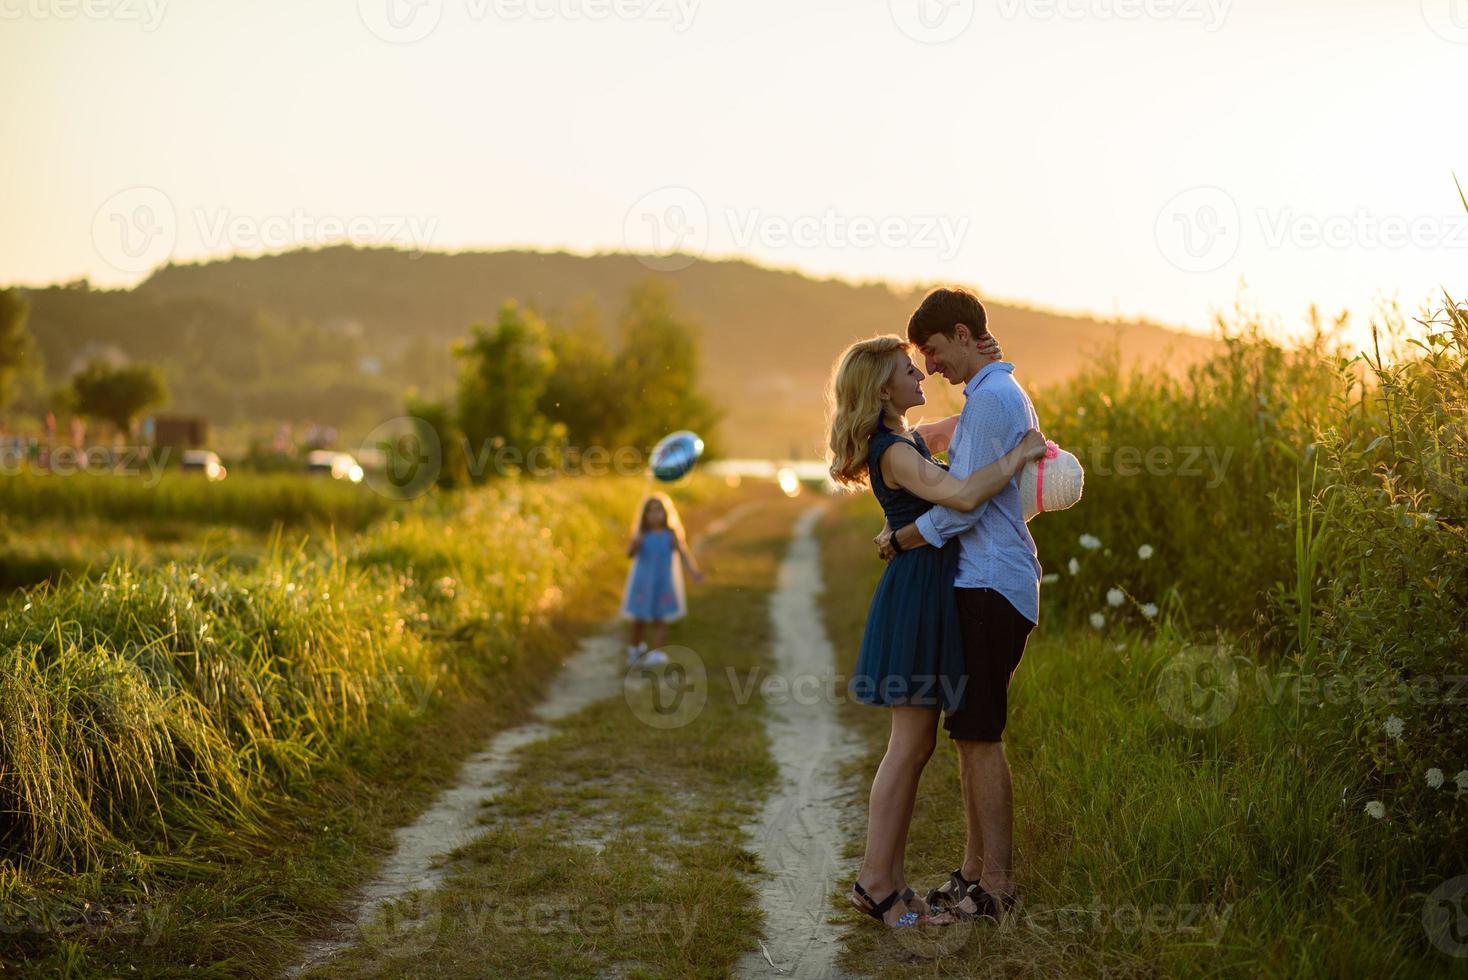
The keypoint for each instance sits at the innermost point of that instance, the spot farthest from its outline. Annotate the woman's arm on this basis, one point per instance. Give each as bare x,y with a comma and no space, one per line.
936,485
938,434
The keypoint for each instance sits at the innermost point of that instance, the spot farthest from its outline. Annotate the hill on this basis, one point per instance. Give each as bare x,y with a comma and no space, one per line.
335,334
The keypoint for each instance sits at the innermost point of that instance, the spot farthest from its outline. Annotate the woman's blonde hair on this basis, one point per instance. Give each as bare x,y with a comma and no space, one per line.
853,404
675,523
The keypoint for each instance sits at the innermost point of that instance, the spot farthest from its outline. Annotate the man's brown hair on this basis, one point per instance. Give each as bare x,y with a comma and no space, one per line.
942,310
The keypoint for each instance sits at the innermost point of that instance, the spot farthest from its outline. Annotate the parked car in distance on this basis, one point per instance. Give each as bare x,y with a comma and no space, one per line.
203,461
338,466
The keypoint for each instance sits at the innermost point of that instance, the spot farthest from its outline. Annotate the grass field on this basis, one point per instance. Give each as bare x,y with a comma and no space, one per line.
1237,735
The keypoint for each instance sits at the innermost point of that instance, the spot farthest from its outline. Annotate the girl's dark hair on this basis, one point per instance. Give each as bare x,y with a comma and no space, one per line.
942,310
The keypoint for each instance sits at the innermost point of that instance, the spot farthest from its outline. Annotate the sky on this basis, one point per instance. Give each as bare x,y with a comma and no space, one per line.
1153,158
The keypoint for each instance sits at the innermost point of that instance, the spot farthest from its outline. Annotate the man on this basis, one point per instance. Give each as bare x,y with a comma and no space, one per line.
997,589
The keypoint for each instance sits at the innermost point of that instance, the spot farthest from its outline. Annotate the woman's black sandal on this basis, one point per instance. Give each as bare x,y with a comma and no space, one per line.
878,910
951,892
909,896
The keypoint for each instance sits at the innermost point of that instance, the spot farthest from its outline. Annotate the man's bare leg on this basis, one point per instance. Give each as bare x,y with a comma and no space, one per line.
988,797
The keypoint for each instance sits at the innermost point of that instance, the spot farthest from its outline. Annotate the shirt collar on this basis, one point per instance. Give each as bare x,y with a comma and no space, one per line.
993,367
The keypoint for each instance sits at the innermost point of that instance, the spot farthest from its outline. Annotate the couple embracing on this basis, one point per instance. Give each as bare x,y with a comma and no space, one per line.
949,620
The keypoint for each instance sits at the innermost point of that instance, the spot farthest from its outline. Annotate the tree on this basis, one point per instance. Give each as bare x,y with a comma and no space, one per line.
17,349
117,394
657,372
503,373
582,392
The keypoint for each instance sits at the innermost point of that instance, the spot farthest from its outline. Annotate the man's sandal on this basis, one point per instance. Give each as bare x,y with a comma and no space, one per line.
986,906
951,892
878,910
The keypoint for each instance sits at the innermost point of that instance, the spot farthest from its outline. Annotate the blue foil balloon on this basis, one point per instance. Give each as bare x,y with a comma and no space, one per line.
675,455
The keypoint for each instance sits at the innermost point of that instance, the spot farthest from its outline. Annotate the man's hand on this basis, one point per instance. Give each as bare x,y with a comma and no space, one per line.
883,541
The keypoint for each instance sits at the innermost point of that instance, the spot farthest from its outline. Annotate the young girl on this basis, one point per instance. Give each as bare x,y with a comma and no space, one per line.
654,592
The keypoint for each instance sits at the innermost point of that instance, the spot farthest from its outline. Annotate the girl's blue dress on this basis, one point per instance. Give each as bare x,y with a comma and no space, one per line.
912,648
655,583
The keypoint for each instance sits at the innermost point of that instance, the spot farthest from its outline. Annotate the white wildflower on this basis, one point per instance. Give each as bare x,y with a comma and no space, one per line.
1115,597
1051,578
1462,780
1145,552
1150,610
1434,778
1375,810
1098,620
1394,726
1090,542
1074,567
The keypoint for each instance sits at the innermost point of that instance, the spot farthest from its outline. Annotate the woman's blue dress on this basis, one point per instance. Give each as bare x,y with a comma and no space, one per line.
912,648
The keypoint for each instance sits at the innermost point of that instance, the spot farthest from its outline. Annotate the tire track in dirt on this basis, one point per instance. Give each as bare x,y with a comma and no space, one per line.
801,833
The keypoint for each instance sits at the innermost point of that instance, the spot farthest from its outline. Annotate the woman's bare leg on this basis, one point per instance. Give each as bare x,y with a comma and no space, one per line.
894,790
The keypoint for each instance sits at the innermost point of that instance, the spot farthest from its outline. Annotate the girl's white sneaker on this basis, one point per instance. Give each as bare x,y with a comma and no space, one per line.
654,658
635,652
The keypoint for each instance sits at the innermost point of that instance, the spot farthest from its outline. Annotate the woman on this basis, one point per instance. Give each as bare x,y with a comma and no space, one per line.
911,656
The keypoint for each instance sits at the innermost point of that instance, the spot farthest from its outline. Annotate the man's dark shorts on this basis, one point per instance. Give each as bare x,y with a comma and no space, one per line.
994,635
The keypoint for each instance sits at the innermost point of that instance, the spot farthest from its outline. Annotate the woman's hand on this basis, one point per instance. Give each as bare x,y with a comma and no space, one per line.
989,347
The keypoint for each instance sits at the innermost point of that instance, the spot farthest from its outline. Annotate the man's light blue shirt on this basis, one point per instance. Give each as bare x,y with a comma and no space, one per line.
995,547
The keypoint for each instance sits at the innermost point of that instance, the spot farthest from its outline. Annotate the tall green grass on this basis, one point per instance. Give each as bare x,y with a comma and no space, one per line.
1329,553
250,500
152,713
